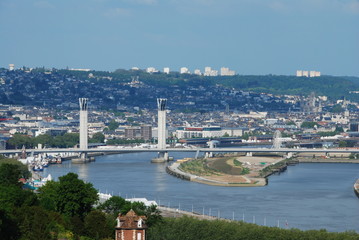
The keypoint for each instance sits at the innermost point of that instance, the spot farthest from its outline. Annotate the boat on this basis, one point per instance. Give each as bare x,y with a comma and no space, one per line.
38,168
356,187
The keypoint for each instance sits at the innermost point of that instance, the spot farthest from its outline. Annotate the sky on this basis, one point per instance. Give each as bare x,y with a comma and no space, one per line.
249,36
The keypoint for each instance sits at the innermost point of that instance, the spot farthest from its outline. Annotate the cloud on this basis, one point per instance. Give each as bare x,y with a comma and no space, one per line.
118,12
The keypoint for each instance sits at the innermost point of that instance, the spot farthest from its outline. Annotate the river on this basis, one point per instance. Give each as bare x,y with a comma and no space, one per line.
306,196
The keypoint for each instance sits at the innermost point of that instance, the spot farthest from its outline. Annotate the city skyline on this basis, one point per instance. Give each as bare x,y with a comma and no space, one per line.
250,37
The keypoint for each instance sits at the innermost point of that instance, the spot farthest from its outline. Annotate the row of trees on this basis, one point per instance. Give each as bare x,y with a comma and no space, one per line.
60,141
190,228
64,209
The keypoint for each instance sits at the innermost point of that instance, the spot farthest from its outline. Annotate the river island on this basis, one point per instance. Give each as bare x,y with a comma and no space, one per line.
233,170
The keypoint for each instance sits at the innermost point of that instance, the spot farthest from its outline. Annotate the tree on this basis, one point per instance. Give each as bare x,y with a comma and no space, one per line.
342,144
24,171
308,124
97,226
70,196
34,223
19,140
9,174
113,125
98,138
113,205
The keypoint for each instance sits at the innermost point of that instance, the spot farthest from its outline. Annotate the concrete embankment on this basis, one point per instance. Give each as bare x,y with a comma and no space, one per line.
356,187
327,160
174,212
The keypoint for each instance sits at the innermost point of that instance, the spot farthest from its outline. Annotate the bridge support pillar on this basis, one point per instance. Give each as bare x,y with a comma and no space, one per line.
83,158
208,155
162,157
249,154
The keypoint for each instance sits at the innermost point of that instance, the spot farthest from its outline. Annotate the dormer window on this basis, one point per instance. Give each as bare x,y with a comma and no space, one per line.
139,223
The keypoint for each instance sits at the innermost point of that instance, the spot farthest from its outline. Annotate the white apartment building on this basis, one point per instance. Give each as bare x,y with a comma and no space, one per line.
166,70
227,72
301,73
208,71
11,67
184,70
200,132
151,70
197,72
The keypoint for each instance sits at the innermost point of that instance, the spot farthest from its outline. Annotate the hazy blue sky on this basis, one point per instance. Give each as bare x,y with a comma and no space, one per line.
249,36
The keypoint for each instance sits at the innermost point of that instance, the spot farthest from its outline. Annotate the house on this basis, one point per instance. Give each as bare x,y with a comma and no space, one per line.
131,227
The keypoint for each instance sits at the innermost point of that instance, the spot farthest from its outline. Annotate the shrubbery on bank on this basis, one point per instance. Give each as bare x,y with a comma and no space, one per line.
190,228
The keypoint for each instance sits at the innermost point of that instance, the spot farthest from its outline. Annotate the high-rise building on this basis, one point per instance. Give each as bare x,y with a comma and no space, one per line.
197,72
184,70
301,73
146,132
132,132
151,70
227,72
208,71
166,70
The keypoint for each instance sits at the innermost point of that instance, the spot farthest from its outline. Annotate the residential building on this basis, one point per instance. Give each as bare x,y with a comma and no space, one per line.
166,70
131,227
184,70
227,72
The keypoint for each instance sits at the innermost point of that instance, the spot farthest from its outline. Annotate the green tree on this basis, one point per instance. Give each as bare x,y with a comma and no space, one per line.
44,139
113,125
113,205
308,124
24,171
19,140
342,144
34,223
97,225
97,138
10,174
70,196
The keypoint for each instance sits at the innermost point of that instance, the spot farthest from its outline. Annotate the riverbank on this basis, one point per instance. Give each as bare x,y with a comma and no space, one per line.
326,160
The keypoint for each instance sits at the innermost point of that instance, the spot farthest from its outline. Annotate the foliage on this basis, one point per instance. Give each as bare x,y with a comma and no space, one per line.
198,167
237,163
97,138
97,226
70,196
113,125
116,205
308,124
337,109
124,141
190,228
64,141
9,174
113,205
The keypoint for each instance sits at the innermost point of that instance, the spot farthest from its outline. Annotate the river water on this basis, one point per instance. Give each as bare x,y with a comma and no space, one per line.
306,196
